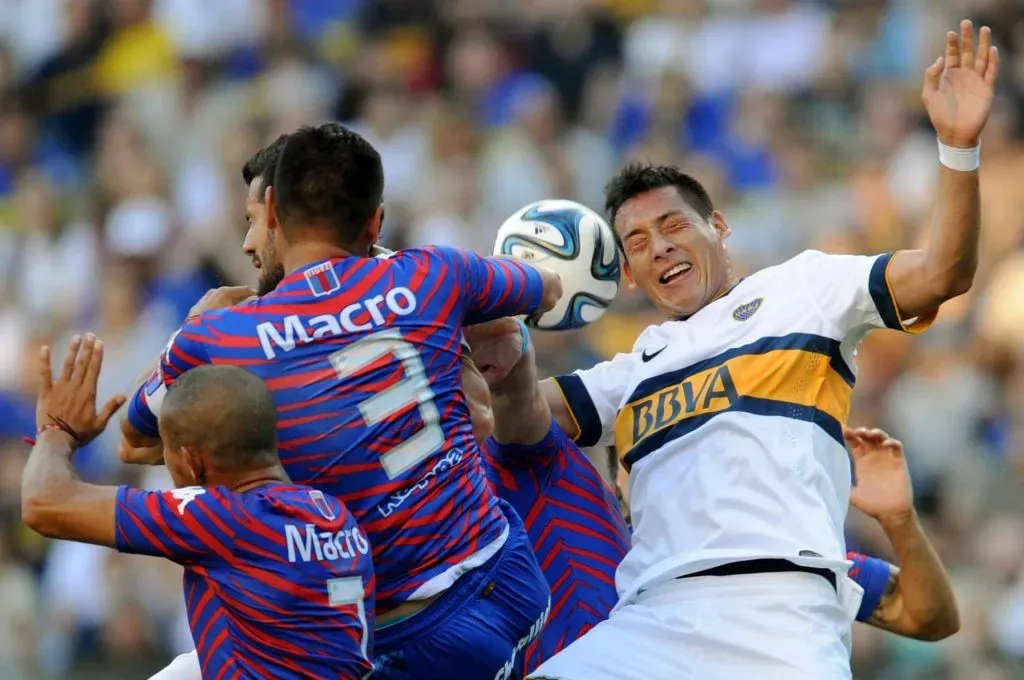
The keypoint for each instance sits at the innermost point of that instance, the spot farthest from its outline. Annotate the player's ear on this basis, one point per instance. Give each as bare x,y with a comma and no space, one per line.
270,199
627,271
195,465
376,222
721,226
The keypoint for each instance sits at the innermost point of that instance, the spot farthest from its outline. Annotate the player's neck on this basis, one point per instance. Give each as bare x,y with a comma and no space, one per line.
726,287
240,482
729,281
723,290
301,255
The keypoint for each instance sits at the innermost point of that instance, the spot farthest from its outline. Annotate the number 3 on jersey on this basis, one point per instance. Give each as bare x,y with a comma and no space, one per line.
412,390
343,592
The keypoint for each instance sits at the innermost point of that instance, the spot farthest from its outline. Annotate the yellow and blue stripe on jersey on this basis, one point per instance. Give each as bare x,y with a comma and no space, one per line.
801,376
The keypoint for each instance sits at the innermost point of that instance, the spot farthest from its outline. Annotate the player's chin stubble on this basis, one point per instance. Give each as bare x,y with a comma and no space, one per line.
269,278
271,270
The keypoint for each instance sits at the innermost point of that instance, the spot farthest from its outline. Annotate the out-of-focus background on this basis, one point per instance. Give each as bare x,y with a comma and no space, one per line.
124,125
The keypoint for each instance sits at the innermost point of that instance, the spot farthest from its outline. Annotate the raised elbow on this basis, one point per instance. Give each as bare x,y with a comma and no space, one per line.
952,280
948,627
940,627
37,514
958,285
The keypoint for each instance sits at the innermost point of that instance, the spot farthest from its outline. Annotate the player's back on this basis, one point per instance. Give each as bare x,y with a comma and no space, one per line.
362,357
278,579
576,529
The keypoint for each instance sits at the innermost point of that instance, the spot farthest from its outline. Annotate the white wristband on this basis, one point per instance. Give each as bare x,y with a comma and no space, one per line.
962,160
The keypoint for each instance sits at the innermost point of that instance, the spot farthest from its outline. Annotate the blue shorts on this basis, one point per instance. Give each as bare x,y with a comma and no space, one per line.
477,629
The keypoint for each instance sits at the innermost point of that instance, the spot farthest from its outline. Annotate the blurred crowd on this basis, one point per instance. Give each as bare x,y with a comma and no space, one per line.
124,125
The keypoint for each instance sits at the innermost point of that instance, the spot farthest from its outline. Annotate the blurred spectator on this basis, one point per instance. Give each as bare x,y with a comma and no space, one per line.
18,592
124,125
58,256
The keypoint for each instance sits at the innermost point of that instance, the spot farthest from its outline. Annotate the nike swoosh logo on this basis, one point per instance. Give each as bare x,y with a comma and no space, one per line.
647,357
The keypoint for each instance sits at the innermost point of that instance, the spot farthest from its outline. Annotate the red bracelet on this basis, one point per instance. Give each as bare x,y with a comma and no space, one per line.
54,424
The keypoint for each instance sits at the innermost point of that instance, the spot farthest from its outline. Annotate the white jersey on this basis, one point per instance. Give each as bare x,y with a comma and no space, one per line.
730,422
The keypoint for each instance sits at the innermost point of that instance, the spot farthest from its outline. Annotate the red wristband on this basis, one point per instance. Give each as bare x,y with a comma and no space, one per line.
55,424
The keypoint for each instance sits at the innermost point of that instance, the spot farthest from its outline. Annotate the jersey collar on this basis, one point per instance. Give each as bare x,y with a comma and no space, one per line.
300,273
714,300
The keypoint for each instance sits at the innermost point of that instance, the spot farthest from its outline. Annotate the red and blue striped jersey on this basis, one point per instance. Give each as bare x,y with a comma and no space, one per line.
576,529
278,579
872,574
363,359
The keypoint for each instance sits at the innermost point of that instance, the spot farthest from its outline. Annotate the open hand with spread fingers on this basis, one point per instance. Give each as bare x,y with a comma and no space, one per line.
69,404
882,487
960,85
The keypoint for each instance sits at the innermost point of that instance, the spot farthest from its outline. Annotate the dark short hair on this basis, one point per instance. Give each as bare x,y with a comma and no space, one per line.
329,176
224,411
262,164
639,178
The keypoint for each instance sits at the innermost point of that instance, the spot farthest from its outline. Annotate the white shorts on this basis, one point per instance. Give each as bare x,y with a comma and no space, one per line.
184,667
773,626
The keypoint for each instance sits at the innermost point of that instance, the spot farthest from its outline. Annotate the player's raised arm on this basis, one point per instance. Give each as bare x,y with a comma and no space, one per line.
496,287
504,357
903,290
140,437
915,599
54,501
958,92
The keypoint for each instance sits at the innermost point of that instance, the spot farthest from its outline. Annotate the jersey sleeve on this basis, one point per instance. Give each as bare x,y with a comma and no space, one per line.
871,574
593,397
852,292
188,525
185,350
537,456
493,288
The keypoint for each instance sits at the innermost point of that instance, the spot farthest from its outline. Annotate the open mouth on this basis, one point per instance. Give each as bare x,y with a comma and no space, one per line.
676,272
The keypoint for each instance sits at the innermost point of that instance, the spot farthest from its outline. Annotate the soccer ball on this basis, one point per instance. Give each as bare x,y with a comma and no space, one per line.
577,244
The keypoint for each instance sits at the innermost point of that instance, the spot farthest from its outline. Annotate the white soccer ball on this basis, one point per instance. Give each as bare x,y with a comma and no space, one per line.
577,244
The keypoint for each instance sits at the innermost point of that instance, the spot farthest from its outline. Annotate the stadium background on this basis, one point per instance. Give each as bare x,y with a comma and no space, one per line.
124,124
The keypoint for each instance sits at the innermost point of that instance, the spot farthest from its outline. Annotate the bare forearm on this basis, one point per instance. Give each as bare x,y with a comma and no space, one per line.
952,253
56,503
921,280
521,414
923,605
520,417
49,477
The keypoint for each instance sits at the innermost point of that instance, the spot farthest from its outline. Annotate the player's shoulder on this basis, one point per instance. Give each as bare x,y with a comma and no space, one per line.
431,259
448,254
184,500
217,318
829,264
654,336
786,269
789,273
301,503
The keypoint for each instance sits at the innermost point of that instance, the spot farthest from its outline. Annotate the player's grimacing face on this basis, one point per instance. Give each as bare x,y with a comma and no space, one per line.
672,254
261,240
